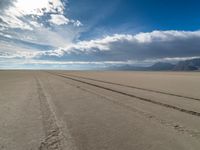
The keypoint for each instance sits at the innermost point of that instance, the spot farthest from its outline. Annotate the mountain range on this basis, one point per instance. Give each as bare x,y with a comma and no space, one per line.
187,65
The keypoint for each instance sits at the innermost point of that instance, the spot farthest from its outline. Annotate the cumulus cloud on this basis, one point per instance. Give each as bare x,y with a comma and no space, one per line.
170,46
59,19
122,47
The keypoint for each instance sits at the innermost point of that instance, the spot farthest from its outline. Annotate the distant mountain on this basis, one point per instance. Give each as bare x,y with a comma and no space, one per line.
161,66
128,67
188,65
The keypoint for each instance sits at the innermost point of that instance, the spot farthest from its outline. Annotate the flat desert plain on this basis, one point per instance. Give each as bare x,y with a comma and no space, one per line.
99,110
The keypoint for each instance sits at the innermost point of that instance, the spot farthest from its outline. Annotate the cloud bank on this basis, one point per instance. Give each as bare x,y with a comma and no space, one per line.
142,46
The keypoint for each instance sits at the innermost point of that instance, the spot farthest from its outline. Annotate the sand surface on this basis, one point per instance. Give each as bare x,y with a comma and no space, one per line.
74,110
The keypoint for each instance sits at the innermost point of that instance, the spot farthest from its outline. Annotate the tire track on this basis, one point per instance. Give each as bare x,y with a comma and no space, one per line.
194,113
134,87
179,128
167,123
53,136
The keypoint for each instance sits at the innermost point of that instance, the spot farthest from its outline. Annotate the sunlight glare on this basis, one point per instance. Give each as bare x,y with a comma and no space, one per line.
27,7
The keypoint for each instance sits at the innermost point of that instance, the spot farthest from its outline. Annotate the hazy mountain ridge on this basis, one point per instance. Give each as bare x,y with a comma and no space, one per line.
187,65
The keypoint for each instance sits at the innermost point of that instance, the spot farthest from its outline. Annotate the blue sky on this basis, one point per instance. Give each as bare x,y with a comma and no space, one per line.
132,16
92,34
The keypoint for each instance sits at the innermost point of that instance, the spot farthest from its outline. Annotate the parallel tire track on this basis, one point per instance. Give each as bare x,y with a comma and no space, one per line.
194,113
134,87
179,128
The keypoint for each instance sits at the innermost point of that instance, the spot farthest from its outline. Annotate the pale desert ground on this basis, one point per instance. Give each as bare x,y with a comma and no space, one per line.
99,110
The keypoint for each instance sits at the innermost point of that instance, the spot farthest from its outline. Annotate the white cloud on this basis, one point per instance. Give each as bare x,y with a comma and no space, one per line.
14,16
76,23
37,7
24,14
13,50
152,45
164,35
59,19
24,21
25,28
11,21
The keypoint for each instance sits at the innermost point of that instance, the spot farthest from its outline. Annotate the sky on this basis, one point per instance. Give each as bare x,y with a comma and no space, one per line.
96,34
